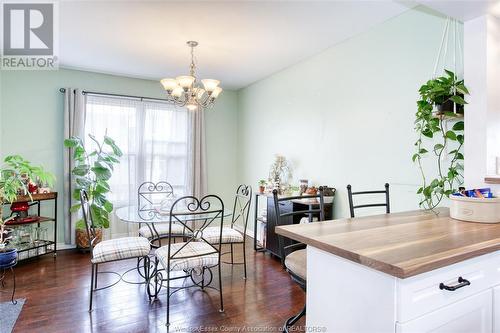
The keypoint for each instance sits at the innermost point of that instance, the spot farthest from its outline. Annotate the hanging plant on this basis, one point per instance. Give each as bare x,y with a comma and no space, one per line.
434,94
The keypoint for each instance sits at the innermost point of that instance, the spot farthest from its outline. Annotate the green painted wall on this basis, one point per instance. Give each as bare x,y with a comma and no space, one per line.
342,116
345,115
31,120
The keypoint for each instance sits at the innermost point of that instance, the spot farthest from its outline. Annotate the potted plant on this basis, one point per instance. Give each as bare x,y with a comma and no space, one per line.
446,140
92,172
262,185
445,92
13,180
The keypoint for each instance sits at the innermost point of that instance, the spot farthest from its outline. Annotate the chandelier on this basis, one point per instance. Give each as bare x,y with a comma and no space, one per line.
186,90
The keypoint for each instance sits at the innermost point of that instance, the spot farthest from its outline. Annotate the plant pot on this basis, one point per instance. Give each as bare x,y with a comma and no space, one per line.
449,106
82,239
262,189
8,257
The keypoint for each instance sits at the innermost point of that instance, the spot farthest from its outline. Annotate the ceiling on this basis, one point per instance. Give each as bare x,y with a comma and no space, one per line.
464,10
239,42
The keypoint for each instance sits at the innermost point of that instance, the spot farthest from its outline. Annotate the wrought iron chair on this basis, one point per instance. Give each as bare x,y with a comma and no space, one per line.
293,255
112,250
231,236
196,256
149,196
352,207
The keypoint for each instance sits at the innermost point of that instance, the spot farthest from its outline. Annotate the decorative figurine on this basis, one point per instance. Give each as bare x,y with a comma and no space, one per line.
280,174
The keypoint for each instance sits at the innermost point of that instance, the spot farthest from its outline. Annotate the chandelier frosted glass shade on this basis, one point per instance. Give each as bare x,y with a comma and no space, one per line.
185,90
169,84
216,92
210,84
185,81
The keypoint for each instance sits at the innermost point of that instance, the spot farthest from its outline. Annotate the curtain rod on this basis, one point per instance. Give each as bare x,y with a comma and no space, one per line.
141,98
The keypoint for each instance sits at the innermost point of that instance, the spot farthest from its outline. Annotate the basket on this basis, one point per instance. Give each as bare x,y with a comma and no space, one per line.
475,209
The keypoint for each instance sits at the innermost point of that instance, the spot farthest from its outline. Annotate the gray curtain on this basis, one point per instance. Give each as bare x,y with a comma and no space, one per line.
74,125
198,153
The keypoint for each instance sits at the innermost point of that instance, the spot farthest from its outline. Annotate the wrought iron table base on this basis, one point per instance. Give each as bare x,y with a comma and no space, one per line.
201,278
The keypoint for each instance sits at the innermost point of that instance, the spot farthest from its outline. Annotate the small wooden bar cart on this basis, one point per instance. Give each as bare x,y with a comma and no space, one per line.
39,245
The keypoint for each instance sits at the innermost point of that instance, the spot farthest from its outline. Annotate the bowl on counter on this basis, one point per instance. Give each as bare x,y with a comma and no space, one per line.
480,210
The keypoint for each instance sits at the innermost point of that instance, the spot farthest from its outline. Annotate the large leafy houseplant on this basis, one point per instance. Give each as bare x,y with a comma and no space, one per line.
14,174
447,142
92,172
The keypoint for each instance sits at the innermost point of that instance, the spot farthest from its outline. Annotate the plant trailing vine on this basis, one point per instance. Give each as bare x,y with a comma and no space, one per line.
437,93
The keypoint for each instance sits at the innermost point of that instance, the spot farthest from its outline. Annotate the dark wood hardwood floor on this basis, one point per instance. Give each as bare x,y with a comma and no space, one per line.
56,292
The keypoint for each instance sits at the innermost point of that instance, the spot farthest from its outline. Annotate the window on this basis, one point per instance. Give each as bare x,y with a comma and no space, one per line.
154,138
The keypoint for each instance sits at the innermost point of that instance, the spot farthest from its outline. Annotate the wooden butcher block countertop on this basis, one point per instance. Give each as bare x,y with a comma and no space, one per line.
400,244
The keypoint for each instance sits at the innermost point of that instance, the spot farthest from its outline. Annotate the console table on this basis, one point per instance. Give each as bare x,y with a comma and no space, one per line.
271,245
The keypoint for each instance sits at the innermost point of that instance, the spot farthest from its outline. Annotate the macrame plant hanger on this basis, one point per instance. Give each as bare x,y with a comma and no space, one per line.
457,49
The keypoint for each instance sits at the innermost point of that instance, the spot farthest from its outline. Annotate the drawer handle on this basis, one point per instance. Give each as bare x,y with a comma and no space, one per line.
461,283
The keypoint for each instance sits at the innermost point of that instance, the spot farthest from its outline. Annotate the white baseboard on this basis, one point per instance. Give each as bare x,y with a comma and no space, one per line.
64,246
120,235
240,229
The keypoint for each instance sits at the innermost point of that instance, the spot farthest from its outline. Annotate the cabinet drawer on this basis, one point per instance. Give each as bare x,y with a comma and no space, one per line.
422,294
472,314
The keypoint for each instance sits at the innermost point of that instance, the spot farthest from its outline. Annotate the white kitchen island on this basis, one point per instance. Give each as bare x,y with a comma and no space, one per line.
403,272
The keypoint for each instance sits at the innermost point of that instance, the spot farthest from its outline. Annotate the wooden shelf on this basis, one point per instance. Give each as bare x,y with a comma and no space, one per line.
40,220
37,197
38,248
492,179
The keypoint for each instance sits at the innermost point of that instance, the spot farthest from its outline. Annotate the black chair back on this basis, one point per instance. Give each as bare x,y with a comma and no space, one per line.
87,218
352,207
241,206
285,250
195,215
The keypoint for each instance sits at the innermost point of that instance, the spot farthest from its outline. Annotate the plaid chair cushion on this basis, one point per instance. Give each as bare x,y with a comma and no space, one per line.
120,248
205,256
229,235
296,262
162,229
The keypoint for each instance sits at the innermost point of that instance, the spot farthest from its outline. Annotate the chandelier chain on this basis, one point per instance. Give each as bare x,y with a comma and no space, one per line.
192,66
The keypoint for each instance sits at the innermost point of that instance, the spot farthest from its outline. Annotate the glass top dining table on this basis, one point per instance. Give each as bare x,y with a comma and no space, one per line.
132,214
